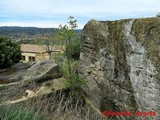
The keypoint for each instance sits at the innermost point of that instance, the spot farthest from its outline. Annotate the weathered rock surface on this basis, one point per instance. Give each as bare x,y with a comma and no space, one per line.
15,93
15,72
39,72
28,76
120,61
42,71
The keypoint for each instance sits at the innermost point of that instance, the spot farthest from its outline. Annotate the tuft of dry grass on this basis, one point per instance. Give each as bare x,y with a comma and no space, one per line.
59,105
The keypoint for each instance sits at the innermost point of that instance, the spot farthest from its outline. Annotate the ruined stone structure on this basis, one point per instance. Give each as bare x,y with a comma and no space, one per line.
120,61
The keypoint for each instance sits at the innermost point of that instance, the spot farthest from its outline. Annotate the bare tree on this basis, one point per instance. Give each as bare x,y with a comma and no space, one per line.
47,43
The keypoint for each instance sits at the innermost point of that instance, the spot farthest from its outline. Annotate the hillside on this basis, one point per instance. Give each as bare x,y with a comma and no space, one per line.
26,33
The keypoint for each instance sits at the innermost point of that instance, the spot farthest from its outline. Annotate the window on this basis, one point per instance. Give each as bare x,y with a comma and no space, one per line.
23,57
31,58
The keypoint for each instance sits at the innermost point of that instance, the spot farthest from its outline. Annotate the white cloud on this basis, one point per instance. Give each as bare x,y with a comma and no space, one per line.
58,10
81,6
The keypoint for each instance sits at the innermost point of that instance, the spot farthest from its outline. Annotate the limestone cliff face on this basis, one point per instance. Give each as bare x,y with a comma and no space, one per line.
120,61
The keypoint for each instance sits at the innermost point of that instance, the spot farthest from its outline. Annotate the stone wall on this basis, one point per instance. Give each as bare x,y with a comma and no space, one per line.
120,62
37,56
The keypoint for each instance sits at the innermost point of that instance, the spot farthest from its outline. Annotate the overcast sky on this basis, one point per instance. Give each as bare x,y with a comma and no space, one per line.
51,13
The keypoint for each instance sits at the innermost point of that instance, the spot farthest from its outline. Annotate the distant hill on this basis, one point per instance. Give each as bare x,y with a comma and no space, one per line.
22,33
26,33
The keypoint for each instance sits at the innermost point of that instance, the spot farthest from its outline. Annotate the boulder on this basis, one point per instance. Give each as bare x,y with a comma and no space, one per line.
15,72
39,72
120,62
42,71
45,71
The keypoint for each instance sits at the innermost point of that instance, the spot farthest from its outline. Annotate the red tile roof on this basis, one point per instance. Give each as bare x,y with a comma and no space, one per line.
39,48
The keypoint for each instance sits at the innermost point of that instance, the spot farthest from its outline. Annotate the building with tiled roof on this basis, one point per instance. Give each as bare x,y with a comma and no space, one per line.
31,52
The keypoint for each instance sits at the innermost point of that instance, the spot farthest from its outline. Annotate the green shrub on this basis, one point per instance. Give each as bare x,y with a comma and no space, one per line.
75,82
74,49
9,52
72,43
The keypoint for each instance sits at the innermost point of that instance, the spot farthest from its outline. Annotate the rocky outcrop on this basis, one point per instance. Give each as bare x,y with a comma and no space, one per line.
120,62
24,94
39,72
28,77
15,72
42,71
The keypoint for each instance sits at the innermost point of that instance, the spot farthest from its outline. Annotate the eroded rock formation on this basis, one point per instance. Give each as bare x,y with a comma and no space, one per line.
120,62
28,77
39,72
